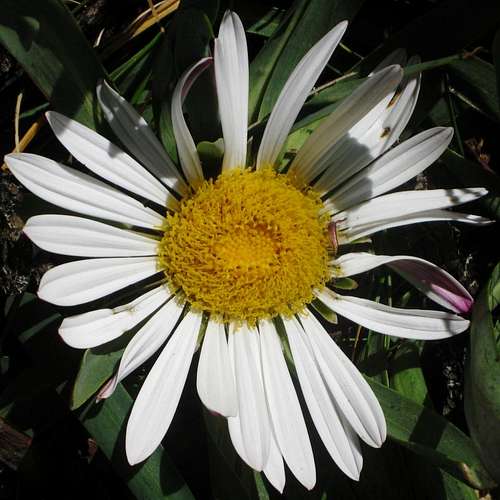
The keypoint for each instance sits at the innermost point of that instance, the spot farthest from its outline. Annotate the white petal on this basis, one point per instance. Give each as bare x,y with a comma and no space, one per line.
284,408
98,327
275,469
231,78
215,378
107,160
352,393
294,94
432,281
159,396
337,435
375,133
188,155
67,188
394,168
134,133
402,208
315,154
85,280
145,343
69,235
252,421
404,323
416,218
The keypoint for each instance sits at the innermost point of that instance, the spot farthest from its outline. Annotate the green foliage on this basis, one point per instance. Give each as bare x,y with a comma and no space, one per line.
482,403
426,456
45,39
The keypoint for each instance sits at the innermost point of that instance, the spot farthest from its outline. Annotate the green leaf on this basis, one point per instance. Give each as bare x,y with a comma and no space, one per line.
98,365
134,75
482,388
475,79
431,435
153,479
305,23
406,375
268,23
46,40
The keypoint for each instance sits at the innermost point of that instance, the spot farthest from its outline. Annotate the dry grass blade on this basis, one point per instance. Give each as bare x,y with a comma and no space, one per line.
141,23
27,138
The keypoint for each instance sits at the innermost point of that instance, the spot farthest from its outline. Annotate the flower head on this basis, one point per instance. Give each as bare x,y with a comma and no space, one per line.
249,251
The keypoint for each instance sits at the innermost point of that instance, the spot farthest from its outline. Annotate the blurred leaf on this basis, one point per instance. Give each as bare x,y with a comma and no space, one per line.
304,24
154,478
46,40
496,59
230,476
427,36
475,79
468,173
482,388
432,436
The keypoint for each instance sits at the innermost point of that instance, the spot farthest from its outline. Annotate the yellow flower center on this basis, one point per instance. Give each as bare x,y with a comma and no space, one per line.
248,246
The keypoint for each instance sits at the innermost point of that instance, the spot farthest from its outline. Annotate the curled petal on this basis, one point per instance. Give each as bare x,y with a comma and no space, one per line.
431,280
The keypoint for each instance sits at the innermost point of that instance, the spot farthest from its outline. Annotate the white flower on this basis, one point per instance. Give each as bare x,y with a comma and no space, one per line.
250,252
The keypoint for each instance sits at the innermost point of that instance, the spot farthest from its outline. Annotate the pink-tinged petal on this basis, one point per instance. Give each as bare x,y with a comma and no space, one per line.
436,283
428,278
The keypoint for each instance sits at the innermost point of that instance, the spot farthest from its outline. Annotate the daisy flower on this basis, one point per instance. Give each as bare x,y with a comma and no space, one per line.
241,260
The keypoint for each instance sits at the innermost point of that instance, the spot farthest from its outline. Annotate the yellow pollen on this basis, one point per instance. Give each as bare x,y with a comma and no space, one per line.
248,246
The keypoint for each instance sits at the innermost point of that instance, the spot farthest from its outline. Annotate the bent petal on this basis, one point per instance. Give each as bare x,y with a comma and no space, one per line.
186,148
403,208
215,378
67,188
145,343
107,160
404,323
231,78
294,94
284,408
81,281
159,396
251,426
94,328
80,237
431,280
337,436
133,131
316,153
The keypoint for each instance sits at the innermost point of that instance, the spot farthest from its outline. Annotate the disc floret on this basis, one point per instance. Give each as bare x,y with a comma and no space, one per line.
247,246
